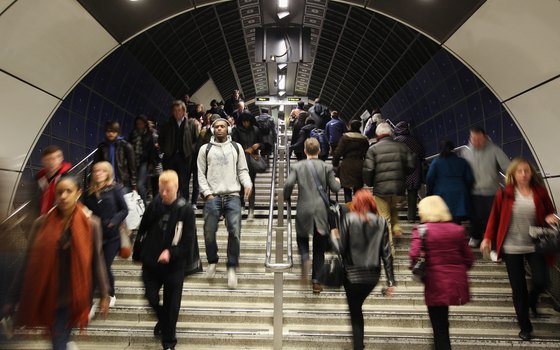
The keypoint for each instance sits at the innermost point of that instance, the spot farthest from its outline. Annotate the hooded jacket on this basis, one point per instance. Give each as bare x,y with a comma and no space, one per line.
402,132
225,169
485,164
386,165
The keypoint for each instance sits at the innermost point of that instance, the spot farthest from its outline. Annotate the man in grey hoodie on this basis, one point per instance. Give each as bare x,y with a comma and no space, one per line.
222,170
486,160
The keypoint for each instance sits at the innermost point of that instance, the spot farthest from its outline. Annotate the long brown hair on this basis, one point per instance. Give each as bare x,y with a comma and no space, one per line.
536,179
363,203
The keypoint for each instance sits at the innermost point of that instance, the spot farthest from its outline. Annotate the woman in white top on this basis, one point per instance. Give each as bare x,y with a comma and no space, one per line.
522,203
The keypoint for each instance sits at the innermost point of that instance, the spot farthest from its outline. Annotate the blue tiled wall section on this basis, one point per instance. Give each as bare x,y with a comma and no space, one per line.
118,88
444,99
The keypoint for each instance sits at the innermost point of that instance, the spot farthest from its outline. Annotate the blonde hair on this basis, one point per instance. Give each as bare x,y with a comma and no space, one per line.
536,180
95,187
433,209
312,146
169,176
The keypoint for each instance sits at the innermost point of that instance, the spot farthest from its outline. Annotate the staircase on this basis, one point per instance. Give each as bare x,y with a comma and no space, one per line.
214,317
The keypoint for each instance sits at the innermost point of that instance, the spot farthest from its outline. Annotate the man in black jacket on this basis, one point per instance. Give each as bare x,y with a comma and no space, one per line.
177,141
386,165
167,247
142,142
120,154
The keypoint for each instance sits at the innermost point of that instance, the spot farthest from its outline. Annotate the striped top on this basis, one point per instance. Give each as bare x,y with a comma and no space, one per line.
523,215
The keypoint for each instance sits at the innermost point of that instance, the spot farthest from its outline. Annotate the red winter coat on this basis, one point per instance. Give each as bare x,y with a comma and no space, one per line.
498,222
47,188
448,258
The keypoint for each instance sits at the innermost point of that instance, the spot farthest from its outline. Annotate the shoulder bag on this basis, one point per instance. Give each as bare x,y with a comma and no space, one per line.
419,269
546,239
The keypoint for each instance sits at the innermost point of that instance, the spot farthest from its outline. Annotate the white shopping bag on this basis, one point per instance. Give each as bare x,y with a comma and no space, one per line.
135,210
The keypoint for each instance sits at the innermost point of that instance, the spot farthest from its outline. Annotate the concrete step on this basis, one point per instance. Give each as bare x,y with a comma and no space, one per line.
375,315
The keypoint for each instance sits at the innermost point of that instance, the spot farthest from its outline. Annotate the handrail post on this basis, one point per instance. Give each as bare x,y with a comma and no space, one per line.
278,313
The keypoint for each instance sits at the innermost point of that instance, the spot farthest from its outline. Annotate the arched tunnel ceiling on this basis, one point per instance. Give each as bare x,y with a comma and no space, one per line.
361,58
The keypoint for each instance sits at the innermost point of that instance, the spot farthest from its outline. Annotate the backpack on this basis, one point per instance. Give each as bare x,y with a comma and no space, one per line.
320,135
265,124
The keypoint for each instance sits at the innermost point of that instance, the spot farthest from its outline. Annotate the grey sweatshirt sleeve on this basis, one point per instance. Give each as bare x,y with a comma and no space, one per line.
202,180
501,159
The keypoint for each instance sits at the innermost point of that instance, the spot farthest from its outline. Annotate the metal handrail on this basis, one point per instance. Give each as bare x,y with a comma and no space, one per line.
434,156
72,169
283,266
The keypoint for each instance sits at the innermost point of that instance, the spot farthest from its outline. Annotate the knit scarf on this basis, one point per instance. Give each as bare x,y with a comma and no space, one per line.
40,290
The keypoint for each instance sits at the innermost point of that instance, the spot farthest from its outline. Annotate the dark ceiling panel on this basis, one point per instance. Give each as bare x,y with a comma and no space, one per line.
363,58
437,18
123,19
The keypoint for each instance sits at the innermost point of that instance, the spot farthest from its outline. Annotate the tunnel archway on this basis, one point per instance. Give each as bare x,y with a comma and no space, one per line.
510,45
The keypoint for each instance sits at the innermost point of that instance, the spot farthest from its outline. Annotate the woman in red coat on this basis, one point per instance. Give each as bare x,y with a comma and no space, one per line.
524,202
448,258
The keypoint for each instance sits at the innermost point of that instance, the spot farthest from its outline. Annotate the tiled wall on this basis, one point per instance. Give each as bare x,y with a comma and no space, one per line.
118,88
444,99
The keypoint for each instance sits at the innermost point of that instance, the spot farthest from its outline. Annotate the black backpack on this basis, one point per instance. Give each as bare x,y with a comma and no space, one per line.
265,124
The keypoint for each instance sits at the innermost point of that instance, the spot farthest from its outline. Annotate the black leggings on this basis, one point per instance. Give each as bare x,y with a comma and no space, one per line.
439,316
356,294
522,298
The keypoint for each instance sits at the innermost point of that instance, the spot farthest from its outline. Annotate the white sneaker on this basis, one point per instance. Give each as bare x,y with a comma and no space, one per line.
232,278
474,243
72,346
93,310
112,301
211,271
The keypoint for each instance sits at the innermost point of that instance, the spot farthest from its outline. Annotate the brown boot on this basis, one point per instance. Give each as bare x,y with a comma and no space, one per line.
317,288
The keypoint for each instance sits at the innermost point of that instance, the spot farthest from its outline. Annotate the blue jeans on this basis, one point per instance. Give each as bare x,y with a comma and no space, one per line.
142,181
230,207
195,188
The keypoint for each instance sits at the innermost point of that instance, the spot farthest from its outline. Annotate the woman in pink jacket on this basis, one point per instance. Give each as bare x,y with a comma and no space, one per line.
448,258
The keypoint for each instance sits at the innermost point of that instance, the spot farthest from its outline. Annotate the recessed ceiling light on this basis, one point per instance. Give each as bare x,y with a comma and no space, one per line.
282,66
282,82
283,14
283,4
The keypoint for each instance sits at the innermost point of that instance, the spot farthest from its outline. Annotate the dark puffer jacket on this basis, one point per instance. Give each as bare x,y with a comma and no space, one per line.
386,165
402,132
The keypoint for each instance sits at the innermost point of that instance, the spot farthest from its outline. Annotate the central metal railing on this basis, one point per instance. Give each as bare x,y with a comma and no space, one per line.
280,170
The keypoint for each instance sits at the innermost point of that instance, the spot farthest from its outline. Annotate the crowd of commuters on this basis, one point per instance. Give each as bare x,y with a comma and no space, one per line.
461,186
214,149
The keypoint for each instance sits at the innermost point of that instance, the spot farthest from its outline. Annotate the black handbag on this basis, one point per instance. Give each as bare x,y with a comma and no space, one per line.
419,269
332,272
257,163
546,239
